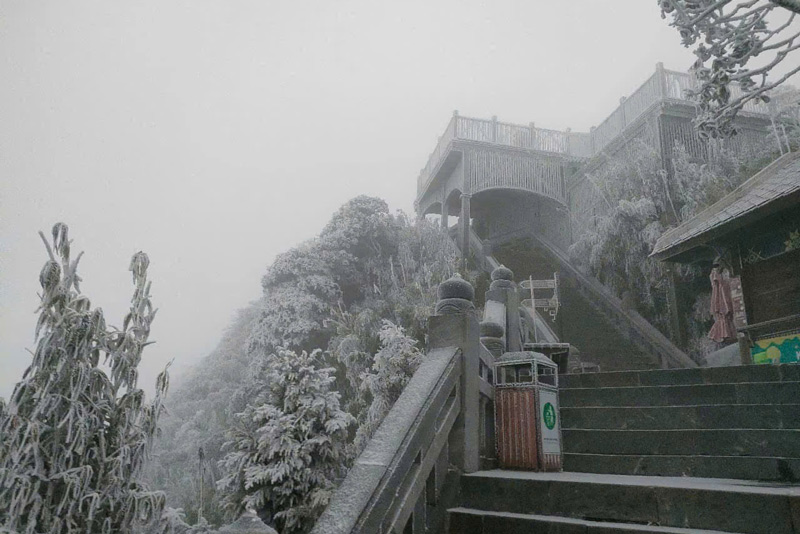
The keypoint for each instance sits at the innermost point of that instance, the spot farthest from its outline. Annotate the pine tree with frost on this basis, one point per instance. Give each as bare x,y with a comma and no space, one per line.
74,439
288,445
393,367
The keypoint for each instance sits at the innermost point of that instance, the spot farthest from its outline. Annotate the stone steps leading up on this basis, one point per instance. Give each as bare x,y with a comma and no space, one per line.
683,395
736,442
676,377
471,521
765,468
732,422
617,503
707,416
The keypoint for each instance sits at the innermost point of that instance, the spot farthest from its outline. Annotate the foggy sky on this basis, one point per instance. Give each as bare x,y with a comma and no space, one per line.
215,134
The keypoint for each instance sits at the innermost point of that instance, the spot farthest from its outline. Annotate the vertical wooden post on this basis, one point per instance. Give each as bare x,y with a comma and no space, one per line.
662,80
455,124
494,128
532,128
674,314
591,138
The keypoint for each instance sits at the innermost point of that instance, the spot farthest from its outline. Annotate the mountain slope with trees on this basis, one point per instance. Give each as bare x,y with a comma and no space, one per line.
352,304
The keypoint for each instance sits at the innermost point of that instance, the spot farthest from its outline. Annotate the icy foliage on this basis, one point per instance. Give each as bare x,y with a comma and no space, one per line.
74,439
334,293
642,201
202,405
288,445
737,45
392,368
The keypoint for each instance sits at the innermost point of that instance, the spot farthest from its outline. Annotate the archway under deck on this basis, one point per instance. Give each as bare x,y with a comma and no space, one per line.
503,211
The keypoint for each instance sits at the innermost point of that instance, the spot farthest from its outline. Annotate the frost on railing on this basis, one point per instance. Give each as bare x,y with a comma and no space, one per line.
407,476
663,85
436,156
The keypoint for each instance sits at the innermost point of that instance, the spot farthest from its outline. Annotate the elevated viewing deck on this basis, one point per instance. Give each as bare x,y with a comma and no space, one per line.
663,87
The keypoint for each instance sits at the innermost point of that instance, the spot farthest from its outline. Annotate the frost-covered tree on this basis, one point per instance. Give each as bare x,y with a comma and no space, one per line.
202,404
642,201
73,437
288,445
332,292
392,368
738,44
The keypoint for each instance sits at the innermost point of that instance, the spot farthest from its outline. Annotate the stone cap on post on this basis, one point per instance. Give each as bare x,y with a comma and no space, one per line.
456,296
502,278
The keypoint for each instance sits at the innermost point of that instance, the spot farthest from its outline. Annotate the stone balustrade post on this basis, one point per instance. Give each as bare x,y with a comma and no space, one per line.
456,325
502,289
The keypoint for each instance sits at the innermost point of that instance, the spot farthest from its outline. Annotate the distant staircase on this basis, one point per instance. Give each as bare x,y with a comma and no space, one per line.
672,451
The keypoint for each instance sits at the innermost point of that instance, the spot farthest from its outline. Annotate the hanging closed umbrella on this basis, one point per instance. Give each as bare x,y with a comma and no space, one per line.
721,307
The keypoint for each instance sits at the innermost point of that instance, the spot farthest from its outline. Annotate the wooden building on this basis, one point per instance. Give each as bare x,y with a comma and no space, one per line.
756,230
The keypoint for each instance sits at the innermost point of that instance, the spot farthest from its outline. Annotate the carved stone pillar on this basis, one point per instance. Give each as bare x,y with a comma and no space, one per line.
456,325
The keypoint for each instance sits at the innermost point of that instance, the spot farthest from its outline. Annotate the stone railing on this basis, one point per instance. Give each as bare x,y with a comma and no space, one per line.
407,476
663,85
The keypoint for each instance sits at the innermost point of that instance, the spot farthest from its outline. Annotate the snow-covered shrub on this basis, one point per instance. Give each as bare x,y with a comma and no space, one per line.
393,366
74,439
288,445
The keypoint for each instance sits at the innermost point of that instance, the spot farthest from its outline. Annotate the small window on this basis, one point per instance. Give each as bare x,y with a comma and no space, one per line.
524,375
507,375
546,375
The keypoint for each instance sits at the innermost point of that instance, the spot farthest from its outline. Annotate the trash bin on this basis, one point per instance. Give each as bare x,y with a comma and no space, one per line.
527,419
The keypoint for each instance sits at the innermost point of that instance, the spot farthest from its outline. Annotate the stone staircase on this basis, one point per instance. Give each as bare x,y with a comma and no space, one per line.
677,451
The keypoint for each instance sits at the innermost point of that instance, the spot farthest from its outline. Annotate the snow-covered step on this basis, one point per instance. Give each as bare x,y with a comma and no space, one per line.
788,372
715,442
784,392
765,468
705,416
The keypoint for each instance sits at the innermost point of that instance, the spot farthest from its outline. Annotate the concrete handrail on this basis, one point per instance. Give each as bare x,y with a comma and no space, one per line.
389,477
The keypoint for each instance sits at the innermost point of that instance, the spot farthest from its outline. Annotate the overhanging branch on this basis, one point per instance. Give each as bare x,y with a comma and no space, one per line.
791,5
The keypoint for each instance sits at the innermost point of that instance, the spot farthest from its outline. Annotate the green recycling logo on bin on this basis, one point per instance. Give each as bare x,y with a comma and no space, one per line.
549,415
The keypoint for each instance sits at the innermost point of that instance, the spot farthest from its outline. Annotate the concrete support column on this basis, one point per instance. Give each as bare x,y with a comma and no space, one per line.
463,222
445,210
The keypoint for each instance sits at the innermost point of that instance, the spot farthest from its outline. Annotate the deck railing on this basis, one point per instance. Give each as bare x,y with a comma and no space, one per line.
663,85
